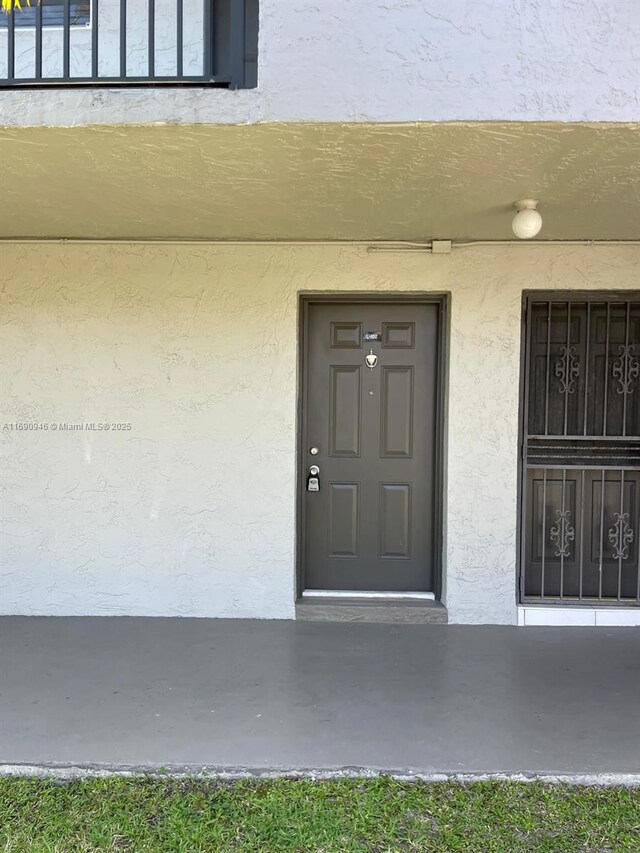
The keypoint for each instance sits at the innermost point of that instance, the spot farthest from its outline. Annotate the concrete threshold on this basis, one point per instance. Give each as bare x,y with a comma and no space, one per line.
346,609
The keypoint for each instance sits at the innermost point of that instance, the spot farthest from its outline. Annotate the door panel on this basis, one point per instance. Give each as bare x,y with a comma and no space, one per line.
345,410
371,525
397,412
343,520
395,520
346,335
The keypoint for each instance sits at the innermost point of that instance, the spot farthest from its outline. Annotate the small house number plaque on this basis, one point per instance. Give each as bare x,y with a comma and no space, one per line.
372,336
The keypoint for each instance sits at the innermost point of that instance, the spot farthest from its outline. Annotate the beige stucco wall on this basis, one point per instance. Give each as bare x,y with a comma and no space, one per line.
192,511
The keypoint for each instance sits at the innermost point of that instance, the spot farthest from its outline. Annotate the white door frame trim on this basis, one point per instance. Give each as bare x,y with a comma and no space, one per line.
384,596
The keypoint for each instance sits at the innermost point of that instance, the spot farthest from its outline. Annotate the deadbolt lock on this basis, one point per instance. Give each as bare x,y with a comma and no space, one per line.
313,480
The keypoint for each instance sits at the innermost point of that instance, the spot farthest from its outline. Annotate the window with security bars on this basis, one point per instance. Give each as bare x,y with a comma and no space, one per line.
52,14
60,43
581,450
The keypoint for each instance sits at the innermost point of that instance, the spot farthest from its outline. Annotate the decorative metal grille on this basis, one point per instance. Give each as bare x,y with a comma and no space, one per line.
626,369
562,533
581,450
567,370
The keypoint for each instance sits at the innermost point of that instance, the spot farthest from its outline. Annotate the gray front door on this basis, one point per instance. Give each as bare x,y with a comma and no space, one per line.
370,399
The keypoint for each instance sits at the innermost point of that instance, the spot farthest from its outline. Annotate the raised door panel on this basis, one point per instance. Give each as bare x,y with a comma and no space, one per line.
396,428
344,413
395,520
343,519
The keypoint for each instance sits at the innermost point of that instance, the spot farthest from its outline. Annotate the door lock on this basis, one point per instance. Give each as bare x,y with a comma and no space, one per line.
313,480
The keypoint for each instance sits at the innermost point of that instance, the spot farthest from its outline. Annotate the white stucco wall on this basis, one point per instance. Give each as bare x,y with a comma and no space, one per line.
390,60
191,512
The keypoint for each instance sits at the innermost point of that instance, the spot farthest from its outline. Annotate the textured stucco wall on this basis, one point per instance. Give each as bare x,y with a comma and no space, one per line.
445,180
394,60
192,511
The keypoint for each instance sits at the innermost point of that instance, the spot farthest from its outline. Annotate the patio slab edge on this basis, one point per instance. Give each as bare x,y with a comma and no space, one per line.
68,772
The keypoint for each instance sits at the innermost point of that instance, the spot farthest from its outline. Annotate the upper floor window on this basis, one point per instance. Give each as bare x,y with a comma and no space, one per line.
52,14
130,43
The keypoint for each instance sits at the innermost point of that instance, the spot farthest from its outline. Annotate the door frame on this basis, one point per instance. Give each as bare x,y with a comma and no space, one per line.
442,301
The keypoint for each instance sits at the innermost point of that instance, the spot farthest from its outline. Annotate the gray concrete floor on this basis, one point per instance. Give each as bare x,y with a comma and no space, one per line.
276,695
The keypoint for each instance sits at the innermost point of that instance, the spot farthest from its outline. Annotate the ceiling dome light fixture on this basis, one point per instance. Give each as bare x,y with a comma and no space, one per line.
527,222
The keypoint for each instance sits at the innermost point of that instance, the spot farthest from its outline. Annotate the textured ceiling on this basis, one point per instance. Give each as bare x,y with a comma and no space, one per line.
319,181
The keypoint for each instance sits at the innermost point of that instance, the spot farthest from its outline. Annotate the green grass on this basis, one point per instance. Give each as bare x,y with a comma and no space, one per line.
338,816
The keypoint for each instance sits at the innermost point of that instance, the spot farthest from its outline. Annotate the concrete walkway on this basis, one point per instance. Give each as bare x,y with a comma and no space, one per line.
303,695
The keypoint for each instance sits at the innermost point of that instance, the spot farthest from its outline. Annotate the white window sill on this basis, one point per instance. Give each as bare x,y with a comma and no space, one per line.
604,617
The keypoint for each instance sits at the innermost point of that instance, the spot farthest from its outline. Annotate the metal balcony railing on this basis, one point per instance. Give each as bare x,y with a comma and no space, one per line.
63,43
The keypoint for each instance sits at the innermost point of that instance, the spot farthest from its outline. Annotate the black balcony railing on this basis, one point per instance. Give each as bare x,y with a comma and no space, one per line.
130,43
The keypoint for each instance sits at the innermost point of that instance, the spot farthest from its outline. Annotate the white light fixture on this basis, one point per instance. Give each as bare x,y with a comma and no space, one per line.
527,222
